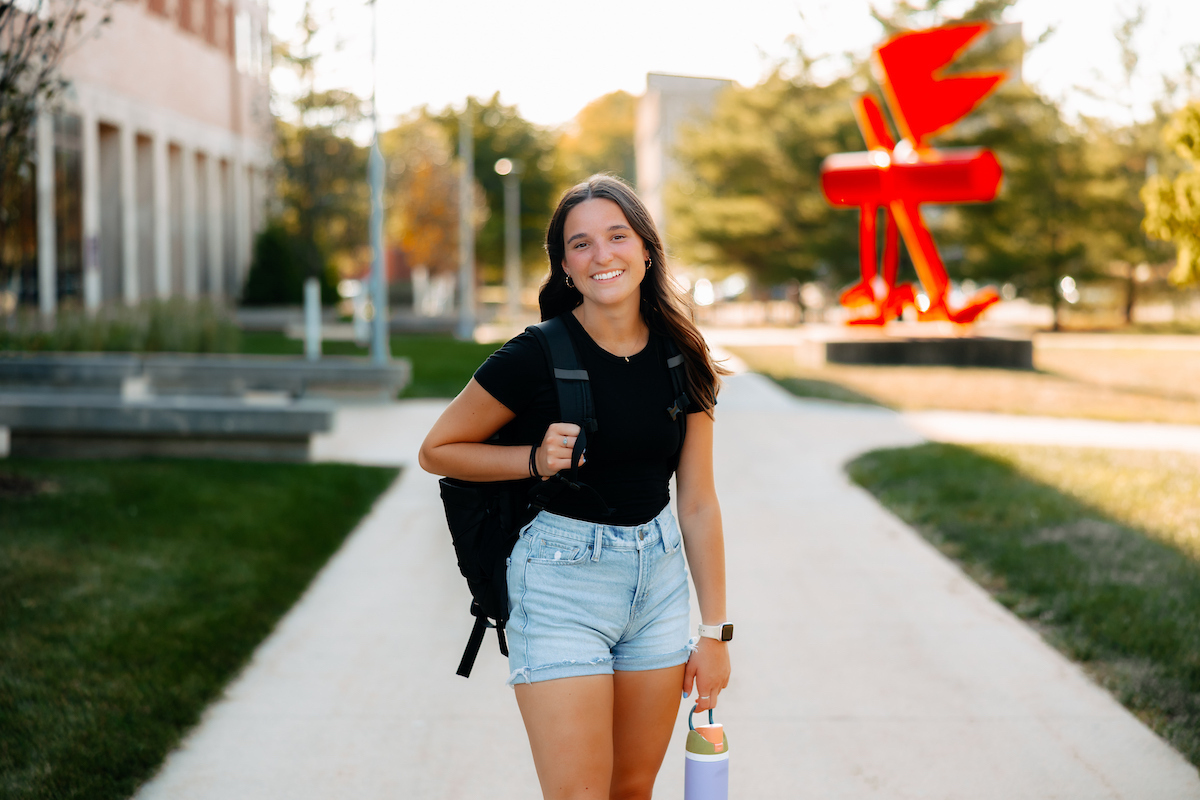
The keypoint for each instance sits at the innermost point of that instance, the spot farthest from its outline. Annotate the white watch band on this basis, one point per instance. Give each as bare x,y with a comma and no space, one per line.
722,632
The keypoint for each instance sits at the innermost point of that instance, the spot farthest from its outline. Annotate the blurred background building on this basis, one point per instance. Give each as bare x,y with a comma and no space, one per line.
151,173
669,102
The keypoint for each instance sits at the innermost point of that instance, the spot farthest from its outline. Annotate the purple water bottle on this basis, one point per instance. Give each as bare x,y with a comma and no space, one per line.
706,771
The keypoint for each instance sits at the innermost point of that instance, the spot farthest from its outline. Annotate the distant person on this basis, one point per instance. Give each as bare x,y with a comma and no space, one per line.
599,628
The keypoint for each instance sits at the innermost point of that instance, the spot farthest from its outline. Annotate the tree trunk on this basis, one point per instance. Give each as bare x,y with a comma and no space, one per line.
1130,294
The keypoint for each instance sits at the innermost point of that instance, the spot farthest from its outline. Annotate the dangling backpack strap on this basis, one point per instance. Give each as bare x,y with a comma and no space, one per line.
482,623
575,404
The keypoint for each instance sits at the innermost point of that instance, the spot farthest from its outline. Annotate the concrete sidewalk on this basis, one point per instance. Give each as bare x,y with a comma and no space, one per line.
970,427
866,664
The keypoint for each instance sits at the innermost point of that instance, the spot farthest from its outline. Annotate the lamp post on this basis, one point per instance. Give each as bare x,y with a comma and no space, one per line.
380,346
466,226
510,170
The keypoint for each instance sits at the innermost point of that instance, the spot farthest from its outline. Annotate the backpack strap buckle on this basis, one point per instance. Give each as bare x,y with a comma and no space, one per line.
681,403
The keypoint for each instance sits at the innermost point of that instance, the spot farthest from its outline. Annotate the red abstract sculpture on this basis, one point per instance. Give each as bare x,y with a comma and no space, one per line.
901,176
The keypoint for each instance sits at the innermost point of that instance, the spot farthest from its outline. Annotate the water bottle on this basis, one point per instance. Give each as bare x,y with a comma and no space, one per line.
706,771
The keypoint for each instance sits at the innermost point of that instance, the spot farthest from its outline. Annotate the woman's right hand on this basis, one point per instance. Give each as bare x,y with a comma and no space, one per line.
554,453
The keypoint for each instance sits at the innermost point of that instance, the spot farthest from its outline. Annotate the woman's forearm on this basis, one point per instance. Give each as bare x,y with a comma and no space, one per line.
470,461
704,543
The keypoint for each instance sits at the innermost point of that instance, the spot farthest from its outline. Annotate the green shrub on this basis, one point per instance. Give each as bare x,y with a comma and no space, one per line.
279,266
176,326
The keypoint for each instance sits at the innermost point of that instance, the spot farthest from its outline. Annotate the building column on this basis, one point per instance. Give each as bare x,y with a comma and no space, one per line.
162,217
256,206
90,180
47,238
241,217
129,227
191,244
216,244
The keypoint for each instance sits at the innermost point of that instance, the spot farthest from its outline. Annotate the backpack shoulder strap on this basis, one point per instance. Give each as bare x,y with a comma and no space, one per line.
575,404
675,364
678,408
571,379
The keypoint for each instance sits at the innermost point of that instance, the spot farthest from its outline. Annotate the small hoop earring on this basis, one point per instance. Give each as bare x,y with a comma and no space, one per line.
649,263
569,284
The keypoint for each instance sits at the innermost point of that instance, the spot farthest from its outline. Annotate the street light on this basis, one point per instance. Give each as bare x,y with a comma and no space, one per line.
466,226
380,346
510,170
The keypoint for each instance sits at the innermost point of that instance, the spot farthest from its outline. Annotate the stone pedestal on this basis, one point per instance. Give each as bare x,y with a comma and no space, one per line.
964,351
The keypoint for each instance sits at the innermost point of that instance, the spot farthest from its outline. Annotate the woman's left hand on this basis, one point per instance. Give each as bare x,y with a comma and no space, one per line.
708,670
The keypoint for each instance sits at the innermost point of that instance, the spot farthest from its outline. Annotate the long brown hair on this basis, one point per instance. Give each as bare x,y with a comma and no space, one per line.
665,309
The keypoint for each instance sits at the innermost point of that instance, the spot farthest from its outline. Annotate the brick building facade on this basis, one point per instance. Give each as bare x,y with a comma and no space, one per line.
150,178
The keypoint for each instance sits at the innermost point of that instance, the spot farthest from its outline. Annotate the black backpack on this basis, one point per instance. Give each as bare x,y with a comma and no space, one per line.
485,518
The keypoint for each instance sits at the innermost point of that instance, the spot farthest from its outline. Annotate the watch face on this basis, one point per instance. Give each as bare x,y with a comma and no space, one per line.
727,632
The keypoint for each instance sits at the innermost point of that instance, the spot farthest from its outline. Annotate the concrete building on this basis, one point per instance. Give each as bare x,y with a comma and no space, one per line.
151,174
669,101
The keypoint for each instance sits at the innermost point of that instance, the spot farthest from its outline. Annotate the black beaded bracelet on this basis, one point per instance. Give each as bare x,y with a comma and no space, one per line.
533,473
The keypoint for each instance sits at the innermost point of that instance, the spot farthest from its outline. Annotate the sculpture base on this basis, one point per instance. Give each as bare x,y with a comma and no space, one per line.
964,351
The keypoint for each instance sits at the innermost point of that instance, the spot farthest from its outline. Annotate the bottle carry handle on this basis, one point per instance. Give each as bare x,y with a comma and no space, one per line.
693,711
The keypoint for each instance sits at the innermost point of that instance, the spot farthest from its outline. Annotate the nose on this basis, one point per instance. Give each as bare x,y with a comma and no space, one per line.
603,253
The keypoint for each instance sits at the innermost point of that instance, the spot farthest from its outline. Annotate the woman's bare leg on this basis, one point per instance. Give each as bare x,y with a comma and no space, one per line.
569,721
645,706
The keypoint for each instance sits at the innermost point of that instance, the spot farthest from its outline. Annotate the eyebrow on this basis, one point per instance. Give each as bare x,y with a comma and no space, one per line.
616,227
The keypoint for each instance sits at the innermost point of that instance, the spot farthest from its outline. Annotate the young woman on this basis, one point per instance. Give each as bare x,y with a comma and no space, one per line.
599,634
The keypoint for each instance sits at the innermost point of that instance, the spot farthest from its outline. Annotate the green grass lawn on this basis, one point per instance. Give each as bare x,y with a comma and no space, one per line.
1098,550
442,365
133,591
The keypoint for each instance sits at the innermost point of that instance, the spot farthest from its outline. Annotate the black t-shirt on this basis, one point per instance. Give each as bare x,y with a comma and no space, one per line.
632,453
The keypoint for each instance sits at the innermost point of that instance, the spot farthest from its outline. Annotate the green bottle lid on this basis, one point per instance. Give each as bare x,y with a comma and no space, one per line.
699,744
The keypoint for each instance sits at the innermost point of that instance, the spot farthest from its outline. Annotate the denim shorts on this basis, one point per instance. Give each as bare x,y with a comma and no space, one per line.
587,598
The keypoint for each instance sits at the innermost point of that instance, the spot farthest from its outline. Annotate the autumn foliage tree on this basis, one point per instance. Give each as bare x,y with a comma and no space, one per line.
1173,204
422,190
600,139
501,132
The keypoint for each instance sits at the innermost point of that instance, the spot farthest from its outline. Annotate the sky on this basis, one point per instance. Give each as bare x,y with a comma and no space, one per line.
556,56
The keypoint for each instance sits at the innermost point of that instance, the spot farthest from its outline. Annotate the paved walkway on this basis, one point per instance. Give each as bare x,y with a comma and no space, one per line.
866,664
969,427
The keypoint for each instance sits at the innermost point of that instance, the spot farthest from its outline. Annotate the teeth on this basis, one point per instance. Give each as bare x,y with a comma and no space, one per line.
606,275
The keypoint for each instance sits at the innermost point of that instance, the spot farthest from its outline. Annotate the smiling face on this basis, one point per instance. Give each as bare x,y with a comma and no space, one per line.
605,258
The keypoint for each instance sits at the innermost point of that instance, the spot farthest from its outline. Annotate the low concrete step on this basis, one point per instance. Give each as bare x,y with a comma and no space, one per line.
68,425
202,374
86,371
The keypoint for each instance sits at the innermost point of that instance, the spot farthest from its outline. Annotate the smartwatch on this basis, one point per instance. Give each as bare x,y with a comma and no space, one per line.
722,632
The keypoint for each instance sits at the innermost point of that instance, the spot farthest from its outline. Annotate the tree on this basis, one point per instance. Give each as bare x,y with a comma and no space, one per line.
276,274
1119,156
906,15
1173,205
501,132
1035,232
422,216
321,173
600,139
749,194
34,37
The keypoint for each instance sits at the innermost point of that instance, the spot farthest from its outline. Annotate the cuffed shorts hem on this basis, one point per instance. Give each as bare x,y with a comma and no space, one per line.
643,663
601,666
563,669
